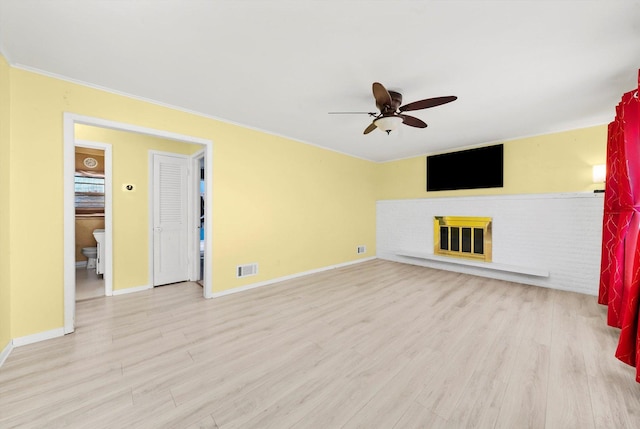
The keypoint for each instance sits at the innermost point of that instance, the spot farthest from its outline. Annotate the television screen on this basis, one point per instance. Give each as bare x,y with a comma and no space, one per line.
467,169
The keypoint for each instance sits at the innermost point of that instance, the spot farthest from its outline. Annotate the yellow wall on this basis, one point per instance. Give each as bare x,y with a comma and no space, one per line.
290,207
559,162
5,288
130,159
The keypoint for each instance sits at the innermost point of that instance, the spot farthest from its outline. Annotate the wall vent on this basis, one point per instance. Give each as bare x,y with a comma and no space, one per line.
362,249
247,270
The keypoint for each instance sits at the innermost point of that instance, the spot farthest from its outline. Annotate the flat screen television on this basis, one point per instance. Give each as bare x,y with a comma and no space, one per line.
466,169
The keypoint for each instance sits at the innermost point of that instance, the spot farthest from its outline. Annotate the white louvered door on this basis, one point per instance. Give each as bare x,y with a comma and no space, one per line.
170,263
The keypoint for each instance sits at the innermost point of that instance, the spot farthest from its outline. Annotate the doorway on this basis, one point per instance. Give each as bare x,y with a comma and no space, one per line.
92,199
199,236
70,120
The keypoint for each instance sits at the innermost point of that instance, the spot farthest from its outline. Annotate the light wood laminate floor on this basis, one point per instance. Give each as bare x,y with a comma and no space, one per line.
373,345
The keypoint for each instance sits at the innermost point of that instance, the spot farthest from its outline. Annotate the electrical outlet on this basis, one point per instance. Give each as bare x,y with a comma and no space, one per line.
361,249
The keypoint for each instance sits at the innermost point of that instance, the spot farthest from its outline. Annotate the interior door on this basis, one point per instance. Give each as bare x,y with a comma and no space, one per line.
170,229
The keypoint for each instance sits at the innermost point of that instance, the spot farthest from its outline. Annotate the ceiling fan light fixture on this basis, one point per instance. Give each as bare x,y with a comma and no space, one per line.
388,123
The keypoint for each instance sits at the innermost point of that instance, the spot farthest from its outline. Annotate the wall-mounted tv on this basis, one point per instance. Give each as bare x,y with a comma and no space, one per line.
466,169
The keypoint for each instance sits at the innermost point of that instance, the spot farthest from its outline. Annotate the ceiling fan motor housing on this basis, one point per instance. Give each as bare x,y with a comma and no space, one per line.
396,101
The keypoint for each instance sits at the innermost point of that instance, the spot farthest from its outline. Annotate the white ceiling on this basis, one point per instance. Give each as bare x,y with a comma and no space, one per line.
519,68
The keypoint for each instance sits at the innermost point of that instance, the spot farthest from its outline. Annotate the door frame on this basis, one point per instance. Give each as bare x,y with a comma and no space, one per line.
69,143
194,217
108,211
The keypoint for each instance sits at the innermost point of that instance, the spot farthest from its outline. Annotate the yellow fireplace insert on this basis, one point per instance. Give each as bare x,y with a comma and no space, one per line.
463,237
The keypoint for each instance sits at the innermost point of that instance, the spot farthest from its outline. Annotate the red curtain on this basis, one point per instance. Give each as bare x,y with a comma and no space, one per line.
620,264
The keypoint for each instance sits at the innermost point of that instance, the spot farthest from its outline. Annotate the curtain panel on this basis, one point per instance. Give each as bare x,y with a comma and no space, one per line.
619,286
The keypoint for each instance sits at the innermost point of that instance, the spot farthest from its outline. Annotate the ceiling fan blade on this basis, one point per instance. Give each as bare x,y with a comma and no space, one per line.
412,121
429,102
370,128
353,113
382,96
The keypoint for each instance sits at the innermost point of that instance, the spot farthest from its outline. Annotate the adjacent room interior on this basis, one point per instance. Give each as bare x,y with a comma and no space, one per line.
89,202
252,215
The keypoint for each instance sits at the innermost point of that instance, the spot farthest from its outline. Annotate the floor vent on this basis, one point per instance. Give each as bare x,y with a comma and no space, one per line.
362,249
247,270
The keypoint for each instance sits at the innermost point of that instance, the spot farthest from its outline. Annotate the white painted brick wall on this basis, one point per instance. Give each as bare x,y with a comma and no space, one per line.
560,233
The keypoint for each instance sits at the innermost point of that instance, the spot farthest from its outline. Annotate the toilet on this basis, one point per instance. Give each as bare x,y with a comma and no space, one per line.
98,234
91,253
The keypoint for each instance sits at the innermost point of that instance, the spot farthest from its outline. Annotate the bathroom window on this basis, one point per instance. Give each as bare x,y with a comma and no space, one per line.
89,194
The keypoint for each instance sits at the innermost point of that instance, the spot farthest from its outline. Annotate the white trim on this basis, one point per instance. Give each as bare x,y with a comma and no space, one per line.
494,142
131,290
3,52
558,195
181,109
194,217
69,224
122,126
40,336
81,264
208,222
69,269
4,354
289,277
150,217
108,210
249,127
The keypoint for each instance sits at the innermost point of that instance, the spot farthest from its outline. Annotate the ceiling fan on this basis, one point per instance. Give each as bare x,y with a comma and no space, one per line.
391,112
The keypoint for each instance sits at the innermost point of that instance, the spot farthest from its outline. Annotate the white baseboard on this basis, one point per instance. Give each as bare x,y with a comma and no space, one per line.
131,290
59,332
6,352
289,277
81,264
40,336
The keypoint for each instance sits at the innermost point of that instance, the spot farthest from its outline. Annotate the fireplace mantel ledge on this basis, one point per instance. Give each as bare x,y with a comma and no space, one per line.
538,272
